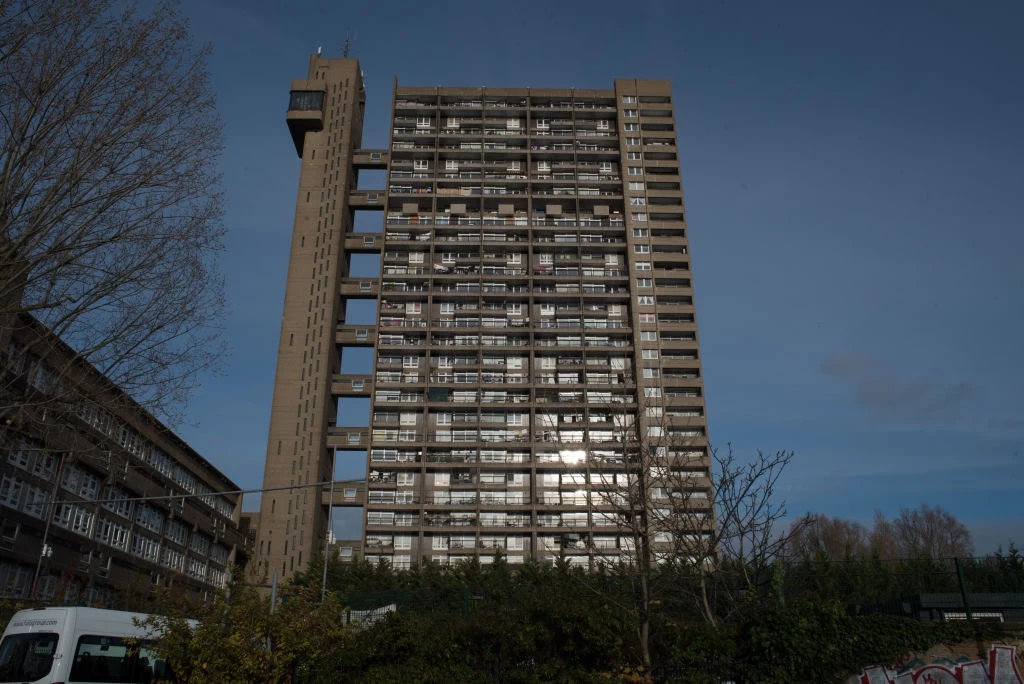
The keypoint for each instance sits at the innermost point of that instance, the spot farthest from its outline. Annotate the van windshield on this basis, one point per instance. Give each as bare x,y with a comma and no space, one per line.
26,657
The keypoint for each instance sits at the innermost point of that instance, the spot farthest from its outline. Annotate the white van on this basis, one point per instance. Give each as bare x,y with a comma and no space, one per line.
58,645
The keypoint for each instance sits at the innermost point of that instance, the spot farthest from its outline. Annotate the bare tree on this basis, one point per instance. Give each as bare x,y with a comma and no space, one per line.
110,208
713,543
729,558
924,532
829,538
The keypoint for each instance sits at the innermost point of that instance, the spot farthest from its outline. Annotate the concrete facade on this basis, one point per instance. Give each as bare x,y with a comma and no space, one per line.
534,314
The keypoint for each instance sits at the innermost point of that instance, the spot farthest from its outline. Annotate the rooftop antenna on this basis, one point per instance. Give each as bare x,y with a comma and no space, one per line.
349,39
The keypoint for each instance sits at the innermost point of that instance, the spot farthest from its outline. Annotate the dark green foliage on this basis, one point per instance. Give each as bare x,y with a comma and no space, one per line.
543,623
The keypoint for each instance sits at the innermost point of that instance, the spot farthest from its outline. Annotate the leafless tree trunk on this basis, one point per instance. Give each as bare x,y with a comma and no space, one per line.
110,208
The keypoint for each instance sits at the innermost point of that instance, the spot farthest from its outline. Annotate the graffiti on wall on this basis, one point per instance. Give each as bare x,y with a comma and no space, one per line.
1001,668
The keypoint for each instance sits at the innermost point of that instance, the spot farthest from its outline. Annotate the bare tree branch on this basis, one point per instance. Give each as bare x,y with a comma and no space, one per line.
110,201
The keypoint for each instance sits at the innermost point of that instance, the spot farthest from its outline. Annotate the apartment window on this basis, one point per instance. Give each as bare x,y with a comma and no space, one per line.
10,491
652,373
408,418
420,164
631,113
150,518
543,123
644,282
447,308
634,171
411,362
547,309
648,318
451,164
645,300
543,166
634,185
649,354
643,265
604,167
514,308
424,122
512,124
641,249
415,258
637,201
634,156
177,532
648,336
652,392
639,217
629,99
406,479
453,122
632,141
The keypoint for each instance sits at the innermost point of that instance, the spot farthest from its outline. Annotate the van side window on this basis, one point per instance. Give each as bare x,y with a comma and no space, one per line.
113,659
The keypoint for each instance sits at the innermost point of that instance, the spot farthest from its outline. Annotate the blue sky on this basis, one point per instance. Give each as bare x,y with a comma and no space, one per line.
853,176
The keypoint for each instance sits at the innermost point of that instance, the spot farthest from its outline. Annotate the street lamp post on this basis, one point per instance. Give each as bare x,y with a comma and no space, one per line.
46,551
